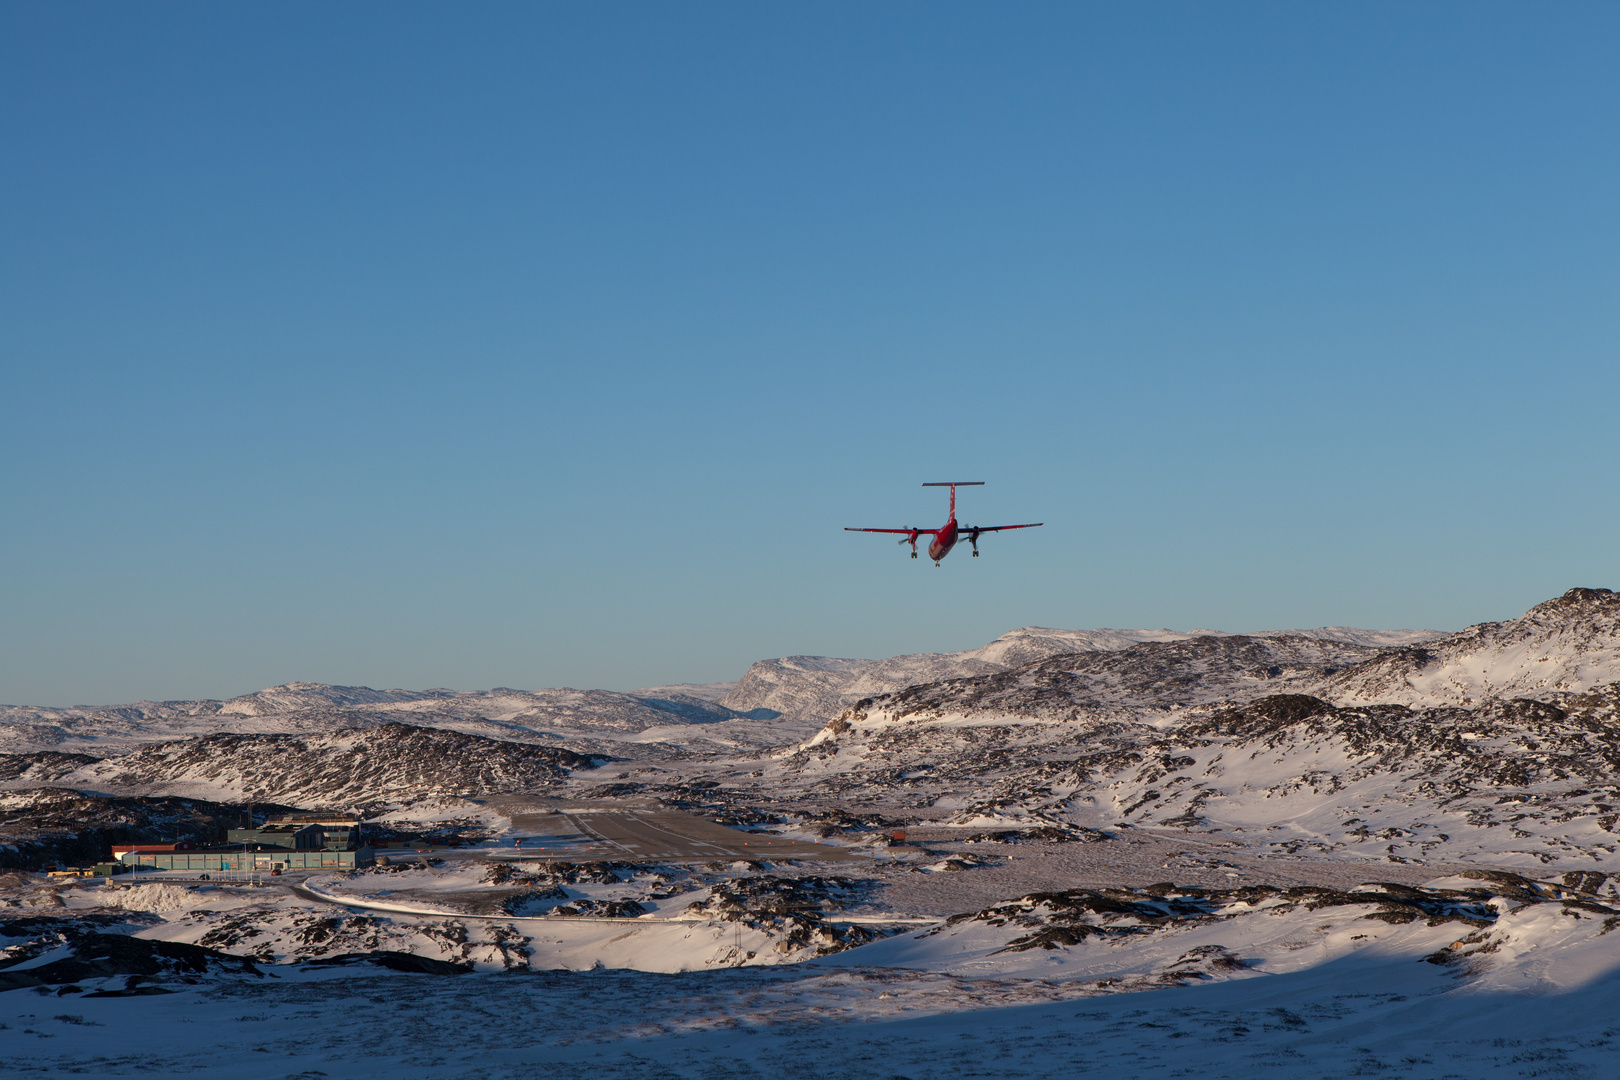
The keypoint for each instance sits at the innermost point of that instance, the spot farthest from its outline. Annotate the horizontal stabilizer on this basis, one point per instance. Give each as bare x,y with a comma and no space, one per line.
908,532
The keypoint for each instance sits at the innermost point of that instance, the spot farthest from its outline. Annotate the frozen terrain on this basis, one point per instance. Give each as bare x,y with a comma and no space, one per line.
1146,853
776,701
1463,977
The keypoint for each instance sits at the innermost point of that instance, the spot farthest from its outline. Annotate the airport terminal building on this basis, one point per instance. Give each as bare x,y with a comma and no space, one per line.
236,858
294,842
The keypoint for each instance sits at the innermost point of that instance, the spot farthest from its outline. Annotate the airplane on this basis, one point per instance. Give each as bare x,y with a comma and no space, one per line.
947,535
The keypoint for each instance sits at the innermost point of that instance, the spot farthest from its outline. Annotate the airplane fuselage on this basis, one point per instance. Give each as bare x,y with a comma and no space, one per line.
944,540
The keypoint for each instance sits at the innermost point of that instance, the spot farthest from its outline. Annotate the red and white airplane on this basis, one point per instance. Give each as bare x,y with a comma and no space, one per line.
946,536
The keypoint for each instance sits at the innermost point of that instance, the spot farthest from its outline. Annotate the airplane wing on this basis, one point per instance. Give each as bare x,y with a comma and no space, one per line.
908,532
997,528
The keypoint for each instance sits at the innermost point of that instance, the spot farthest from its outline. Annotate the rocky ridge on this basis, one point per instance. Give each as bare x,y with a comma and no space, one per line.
315,708
355,767
1568,644
817,688
1228,734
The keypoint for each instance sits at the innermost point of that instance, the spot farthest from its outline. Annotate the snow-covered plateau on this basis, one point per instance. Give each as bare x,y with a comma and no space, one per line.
1305,853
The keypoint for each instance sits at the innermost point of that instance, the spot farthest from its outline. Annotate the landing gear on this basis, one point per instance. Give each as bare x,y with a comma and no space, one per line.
913,554
975,553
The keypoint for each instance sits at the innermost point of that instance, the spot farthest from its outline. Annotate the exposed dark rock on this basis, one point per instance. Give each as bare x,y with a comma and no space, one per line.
1060,919
395,961
100,956
42,767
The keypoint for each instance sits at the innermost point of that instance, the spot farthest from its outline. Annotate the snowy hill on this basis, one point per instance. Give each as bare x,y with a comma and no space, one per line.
1571,643
351,768
1505,784
1146,676
1224,733
776,703
313,708
817,688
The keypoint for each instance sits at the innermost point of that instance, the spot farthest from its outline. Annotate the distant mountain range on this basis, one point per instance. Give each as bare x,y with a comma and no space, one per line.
776,702
1499,742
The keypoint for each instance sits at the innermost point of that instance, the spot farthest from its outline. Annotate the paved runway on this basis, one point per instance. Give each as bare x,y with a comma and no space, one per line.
670,834
635,829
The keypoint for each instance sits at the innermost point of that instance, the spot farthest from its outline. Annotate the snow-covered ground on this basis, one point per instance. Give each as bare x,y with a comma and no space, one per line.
1125,853
1270,985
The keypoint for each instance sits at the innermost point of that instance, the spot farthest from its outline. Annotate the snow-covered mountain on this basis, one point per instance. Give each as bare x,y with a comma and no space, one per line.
1148,676
1241,735
1566,645
776,703
315,708
817,688
1571,643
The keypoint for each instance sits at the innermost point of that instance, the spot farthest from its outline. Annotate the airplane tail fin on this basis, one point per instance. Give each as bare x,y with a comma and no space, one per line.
953,485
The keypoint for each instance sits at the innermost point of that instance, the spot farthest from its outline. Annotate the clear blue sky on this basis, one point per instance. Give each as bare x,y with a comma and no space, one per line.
530,345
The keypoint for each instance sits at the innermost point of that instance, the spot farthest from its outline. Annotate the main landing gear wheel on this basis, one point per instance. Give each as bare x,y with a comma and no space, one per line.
913,554
975,553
